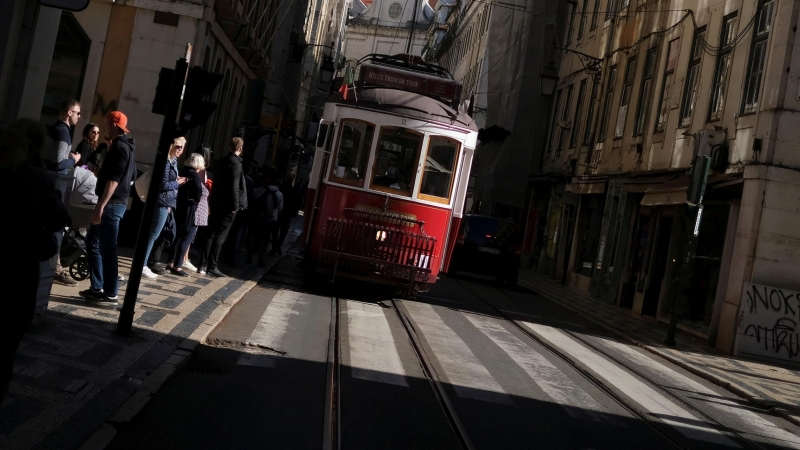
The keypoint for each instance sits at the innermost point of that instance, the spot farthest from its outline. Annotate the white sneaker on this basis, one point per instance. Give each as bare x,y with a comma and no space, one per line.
149,273
189,266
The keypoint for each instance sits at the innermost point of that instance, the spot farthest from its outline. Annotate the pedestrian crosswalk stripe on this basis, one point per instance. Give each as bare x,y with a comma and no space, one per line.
765,428
552,381
273,324
373,353
463,370
651,401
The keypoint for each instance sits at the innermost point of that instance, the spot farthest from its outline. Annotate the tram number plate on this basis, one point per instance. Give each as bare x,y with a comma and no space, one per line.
493,251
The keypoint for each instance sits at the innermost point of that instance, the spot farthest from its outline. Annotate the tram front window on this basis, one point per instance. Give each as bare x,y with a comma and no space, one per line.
440,163
352,155
396,160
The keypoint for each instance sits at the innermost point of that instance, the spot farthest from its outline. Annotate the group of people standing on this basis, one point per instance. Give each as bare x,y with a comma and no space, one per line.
189,198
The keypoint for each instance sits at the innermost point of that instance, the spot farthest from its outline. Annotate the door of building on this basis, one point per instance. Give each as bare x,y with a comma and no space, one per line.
653,289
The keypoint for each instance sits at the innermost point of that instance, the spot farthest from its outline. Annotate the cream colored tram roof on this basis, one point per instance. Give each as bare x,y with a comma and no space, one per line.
405,103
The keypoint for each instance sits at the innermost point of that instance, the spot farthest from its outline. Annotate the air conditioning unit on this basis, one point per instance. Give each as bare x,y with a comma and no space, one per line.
705,142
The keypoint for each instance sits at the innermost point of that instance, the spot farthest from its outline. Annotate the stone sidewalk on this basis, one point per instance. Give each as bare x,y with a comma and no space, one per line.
74,377
770,386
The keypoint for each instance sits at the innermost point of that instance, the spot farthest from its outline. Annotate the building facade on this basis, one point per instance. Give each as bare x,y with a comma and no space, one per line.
108,56
386,27
503,55
644,86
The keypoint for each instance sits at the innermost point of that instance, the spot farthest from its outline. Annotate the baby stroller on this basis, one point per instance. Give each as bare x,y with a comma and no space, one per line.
73,254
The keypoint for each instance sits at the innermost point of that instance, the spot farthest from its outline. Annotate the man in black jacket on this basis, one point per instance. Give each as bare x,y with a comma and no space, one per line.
228,196
113,189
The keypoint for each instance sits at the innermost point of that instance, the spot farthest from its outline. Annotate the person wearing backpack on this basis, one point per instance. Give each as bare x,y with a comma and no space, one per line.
267,206
288,212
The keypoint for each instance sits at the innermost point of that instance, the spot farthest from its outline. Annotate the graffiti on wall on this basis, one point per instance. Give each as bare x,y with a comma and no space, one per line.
769,323
101,106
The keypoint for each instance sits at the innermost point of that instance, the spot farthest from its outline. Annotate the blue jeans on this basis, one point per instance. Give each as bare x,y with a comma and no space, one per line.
159,219
101,244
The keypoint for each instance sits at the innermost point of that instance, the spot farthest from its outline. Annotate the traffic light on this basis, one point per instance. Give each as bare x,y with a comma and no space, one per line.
699,176
195,110
162,91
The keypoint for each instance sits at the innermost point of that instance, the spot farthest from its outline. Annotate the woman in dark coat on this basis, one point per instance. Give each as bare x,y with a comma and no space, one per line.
33,214
189,196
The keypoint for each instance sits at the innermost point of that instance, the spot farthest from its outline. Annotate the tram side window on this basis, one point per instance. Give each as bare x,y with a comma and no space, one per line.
353,152
396,160
440,166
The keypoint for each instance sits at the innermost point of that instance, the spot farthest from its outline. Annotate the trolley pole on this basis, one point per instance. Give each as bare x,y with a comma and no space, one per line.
694,203
168,134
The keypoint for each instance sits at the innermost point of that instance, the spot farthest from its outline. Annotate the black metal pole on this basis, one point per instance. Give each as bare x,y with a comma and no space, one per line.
168,129
413,27
688,256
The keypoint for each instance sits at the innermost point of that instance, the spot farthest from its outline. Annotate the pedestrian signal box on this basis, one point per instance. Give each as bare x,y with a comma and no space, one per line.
195,109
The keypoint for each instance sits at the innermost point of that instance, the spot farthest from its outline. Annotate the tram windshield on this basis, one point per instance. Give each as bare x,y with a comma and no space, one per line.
352,155
396,160
440,164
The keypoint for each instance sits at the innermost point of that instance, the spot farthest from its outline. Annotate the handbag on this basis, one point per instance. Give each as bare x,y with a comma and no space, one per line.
142,184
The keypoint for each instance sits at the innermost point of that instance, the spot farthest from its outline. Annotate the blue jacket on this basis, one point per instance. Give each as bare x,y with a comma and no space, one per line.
169,185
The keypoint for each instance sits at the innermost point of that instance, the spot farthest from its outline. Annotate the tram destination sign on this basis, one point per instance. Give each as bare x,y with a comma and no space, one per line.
420,84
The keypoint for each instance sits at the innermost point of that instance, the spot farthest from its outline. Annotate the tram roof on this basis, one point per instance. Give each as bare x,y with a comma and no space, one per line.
395,101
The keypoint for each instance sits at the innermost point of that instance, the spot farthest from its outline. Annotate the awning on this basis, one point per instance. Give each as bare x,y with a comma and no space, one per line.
674,192
643,184
591,186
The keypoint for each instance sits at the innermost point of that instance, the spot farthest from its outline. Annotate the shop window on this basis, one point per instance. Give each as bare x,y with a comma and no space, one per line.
627,89
563,126
758,57
612,75
582,19
588,137
439,169
666,86
723,69
165,18
645,94
67,68
355,142
693,77
396,160
573,136
592,220
595,14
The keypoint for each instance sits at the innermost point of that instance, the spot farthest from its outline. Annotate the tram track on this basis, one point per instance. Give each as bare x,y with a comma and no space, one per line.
332,424
658,427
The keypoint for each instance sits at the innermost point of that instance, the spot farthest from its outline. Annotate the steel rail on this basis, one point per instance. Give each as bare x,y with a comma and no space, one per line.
430,372
589,376
712,421
331,433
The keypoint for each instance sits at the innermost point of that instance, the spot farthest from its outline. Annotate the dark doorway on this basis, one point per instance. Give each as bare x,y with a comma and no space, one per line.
569,231
653,292
67,68
635,271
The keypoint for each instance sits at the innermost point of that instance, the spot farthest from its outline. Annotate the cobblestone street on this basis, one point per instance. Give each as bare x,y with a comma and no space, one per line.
73,372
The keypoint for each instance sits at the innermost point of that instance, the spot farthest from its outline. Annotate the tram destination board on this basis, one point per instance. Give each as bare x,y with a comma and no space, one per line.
420,84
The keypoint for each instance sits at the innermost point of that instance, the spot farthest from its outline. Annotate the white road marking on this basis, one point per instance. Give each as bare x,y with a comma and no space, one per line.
373,353
272,326
654,403
540,317
765,428
463,370
548,377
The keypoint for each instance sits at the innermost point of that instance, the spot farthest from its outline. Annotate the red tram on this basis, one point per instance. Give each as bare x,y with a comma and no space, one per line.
390,174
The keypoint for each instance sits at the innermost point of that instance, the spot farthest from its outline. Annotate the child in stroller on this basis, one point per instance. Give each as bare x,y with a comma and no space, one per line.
73,254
